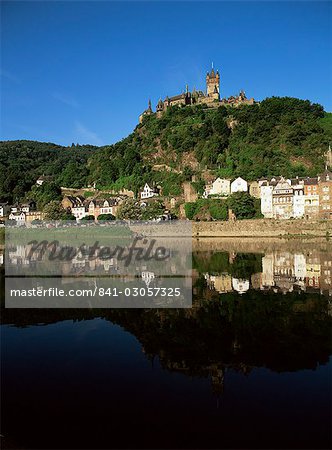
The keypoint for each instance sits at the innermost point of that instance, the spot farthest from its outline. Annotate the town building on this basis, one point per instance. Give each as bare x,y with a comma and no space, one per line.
282,200
290,198
149,192
266,188
97,207
311,198
239,185
220,186
19,217
4,209
75,205
81,207
33,215
44,178
254,189
325,195
298,197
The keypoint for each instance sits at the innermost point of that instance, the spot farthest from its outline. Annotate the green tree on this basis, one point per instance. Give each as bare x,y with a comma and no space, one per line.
130,209
55,211
106,217
44,194
89,218
218,209
190,209
242,205
153,210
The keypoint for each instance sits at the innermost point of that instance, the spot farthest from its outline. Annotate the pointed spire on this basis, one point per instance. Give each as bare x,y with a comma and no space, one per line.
187,89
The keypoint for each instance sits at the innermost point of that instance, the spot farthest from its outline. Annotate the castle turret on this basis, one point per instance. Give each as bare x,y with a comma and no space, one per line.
213,84
147,112
160,108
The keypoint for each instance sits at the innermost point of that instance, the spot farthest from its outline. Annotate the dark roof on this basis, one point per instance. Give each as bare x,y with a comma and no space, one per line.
176,97
75,201
310,181
100,201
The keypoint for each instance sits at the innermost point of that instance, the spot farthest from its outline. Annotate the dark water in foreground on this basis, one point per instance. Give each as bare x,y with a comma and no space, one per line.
248,366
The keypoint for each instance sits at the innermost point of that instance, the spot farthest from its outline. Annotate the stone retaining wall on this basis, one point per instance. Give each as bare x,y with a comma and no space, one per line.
263,228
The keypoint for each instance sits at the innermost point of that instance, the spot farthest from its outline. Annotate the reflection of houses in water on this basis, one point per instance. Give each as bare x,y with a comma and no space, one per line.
312,271
282,272
256,280
221,283
240,285
268,271
19,255
326,274
147,277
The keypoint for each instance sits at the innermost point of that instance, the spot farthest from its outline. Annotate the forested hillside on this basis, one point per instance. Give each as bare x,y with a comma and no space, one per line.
22,162
280,136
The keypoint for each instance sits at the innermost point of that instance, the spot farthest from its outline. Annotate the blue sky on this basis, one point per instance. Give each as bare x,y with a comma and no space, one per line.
83,71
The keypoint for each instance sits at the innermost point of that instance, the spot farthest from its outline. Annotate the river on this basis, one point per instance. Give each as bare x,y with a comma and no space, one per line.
248,366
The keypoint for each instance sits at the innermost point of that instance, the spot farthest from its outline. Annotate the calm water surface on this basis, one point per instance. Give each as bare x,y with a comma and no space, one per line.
248,366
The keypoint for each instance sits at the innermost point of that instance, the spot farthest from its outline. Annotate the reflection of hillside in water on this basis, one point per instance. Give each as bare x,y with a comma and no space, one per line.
224,330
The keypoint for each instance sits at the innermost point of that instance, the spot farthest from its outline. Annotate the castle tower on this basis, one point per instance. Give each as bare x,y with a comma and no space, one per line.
147,112
213,84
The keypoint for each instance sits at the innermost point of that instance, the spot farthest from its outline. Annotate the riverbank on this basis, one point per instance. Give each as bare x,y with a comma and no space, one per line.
297,228
255,228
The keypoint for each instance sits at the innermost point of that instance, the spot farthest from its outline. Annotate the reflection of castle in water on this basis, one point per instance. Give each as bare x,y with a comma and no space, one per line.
281,272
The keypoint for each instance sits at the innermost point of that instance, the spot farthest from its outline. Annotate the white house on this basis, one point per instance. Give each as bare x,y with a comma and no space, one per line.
106,208
19,217
43,178
220,186
298,200
79,211
239,185
14,209
282,199
4,209
266,199
148,192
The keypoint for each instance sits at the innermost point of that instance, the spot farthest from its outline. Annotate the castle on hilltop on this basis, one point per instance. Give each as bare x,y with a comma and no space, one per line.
211,97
